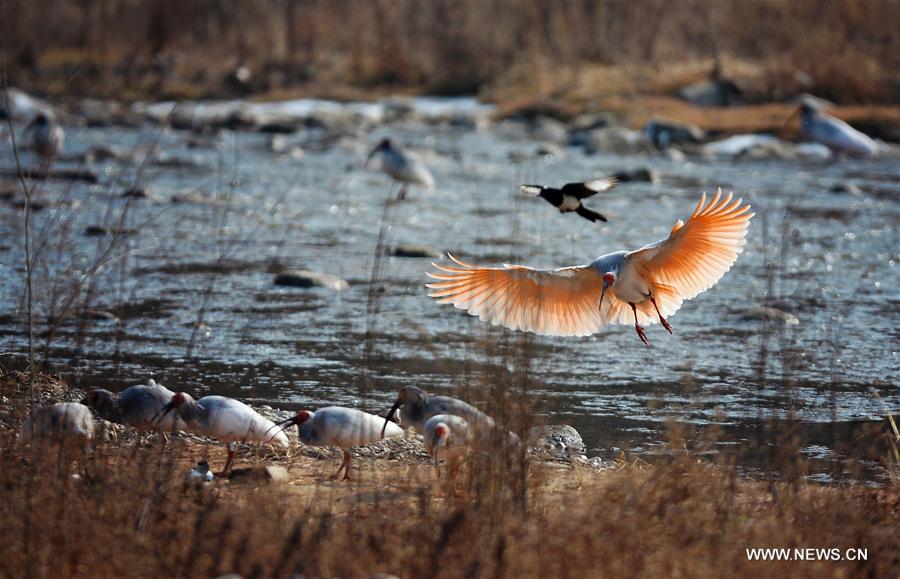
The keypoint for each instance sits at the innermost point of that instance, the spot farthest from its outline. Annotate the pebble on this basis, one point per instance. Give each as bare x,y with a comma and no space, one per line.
642,174
306,279
412,250
770,313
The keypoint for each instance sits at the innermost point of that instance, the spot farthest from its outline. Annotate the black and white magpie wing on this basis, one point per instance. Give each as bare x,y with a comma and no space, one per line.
588,188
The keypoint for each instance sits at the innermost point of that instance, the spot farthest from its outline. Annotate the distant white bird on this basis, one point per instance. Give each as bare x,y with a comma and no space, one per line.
135,406
568,197
404,166
616,288
834,133
227,419
58,420
446,435
416,407
340,427
45,137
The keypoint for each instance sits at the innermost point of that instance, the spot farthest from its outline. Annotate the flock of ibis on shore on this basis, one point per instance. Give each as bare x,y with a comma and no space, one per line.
639,287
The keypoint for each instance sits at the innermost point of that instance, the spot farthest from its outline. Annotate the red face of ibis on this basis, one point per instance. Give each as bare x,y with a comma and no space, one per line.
178,399
302,417
609,278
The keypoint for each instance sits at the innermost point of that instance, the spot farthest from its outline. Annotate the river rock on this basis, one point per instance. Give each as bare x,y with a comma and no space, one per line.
260,473
23,107
557,441
663,133
100,316
749,146
101,230
552,149
98,113
137,193
55,173
412,250
306,279
618,140
711,93
771,314
547,129
639,175
846,187
812,152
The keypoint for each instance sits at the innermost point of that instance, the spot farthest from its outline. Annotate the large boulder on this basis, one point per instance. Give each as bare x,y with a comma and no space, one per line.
663,133
617,140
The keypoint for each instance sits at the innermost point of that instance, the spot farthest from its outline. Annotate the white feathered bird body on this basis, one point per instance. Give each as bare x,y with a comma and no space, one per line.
344,428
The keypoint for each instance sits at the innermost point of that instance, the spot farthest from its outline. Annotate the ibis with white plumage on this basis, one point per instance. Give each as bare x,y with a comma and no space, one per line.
402,165
645,285
226,419
45,137
65,419
834,133
344,428
416,407
446,435
136,406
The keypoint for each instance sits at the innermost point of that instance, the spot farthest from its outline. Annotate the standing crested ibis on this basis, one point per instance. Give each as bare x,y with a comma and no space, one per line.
340,427
446,433
45,137
568,197
416,407
227,419
59,420
643,285
833,132
402,165
136,406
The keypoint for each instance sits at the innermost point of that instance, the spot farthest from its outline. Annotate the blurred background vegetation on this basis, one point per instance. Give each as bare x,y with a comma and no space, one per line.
503,50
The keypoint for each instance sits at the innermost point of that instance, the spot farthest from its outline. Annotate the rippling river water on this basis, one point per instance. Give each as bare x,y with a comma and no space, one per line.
828,258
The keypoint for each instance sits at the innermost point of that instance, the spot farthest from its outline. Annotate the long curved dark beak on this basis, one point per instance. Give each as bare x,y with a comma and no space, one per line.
602,293
286,423
372,154
161,413
390,415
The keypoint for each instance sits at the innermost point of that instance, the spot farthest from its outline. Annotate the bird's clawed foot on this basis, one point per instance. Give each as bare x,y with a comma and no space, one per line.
665,324
401,195
641,334
640,329
345,466
662,320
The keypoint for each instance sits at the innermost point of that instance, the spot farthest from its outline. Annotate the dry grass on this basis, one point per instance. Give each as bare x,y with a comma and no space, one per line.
846,50
122,509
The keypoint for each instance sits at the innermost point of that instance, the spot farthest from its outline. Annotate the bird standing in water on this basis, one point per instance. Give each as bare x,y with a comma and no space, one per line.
340,427
227,419
402,165
833,132
568,198
45,137
642,286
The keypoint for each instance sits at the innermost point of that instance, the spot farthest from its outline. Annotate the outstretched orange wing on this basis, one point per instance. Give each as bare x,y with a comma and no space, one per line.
555,302
698,253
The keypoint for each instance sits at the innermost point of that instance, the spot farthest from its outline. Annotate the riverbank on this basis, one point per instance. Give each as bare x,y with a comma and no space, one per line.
122,507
